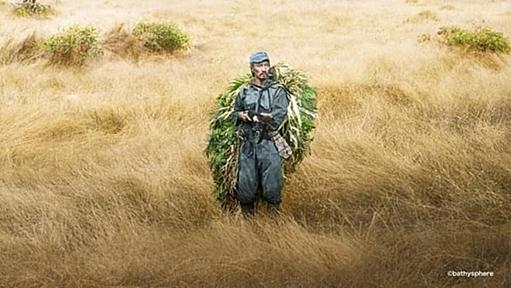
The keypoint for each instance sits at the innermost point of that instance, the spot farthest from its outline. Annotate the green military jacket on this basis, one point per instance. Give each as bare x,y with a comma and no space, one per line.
271,98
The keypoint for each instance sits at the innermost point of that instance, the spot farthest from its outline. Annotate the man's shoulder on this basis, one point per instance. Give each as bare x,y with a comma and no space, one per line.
242,90
272,85
279,87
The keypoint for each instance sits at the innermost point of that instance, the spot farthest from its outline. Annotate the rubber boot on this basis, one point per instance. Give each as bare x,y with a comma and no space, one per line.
274,209
247,209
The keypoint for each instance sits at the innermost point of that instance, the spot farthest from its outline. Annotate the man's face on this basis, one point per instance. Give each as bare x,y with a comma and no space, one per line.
261,70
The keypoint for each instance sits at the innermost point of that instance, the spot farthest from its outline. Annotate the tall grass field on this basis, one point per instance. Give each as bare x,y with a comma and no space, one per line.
104,181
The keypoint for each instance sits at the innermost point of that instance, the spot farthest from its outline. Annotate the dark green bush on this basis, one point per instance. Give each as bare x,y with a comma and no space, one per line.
161,37
74,46
482,39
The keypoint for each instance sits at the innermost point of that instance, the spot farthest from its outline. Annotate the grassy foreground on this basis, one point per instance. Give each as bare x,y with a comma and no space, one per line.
103,181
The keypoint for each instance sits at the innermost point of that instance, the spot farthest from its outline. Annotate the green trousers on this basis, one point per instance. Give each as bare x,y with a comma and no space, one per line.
259,166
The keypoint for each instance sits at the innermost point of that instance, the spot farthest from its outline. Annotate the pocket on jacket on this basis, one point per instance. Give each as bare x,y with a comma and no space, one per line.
250,106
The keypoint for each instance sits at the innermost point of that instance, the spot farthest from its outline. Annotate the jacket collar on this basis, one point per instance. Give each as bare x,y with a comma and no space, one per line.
267,84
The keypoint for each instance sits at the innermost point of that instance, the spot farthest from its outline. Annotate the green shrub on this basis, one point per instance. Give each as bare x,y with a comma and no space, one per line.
74,46
161,37
31,8
481,39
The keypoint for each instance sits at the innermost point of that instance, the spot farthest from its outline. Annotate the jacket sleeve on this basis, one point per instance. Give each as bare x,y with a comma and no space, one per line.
280,104
237,108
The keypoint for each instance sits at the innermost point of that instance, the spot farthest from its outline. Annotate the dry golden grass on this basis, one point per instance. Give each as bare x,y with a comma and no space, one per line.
423,16
103,181
20,49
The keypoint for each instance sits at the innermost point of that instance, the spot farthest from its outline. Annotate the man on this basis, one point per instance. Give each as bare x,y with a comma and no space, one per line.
259,109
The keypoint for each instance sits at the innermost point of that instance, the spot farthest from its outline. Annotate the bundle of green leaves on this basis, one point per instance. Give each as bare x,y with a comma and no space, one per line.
73,46
297,129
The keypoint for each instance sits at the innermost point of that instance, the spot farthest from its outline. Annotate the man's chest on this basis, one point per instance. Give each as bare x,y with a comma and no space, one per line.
260,100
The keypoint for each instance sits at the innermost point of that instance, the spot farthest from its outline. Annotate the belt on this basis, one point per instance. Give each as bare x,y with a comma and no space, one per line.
257,136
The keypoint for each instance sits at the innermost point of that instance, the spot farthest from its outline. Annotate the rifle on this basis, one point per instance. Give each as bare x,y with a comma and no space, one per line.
280,143
265,119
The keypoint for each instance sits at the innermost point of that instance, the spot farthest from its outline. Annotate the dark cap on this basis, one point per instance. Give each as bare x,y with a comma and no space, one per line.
259,57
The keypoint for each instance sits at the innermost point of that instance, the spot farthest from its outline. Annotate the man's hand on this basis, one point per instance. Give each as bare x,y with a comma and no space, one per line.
243,116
